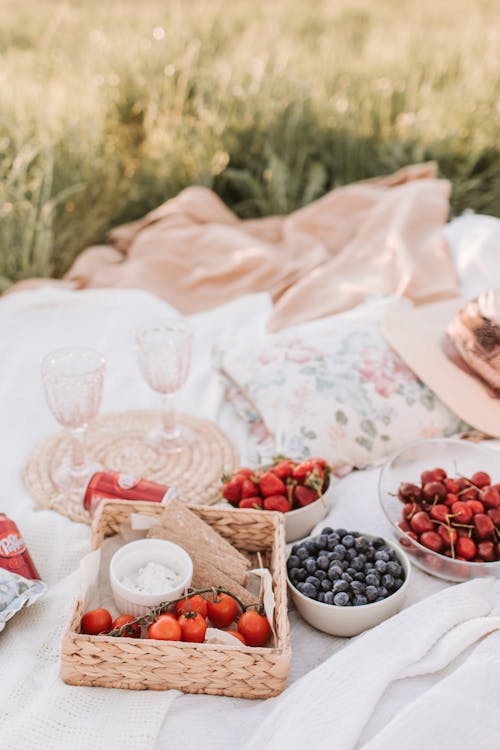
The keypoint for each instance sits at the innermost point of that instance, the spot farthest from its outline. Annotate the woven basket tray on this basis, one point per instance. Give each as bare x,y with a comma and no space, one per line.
145,664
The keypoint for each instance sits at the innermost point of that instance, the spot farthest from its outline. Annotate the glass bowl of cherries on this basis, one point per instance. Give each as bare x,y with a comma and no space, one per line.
442,499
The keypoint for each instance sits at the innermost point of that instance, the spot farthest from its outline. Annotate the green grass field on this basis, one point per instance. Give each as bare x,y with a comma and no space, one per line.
108,108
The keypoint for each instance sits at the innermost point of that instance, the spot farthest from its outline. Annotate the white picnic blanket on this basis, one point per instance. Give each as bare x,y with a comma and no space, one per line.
429,674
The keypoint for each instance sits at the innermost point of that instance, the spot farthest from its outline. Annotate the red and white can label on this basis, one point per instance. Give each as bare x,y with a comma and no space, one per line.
12,545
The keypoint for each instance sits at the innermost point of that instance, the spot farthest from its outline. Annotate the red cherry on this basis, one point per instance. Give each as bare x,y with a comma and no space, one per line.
409,510
448,534
434,475
469,494
451,498
404,525
462,484
475,505
483,525
434,491
462,513
432,540
486,550
405,542
409,493
462,532
480,479
490,497
439,512
421,522
494,514
452,485
466,549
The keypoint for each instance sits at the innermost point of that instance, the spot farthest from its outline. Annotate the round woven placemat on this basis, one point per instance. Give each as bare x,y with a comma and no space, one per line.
117,442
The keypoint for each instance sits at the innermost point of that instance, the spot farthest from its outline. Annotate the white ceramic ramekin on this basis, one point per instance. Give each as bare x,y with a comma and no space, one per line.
127,561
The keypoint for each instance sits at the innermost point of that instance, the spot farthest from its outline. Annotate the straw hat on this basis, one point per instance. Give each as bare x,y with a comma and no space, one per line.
416,334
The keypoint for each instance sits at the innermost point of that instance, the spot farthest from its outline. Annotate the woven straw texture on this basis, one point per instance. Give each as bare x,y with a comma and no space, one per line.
191,667
117,442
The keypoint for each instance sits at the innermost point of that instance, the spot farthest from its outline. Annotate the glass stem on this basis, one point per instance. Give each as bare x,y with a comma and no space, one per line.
168,416
78,460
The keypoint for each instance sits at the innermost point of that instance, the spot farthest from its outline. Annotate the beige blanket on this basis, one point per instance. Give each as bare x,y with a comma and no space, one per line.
381,236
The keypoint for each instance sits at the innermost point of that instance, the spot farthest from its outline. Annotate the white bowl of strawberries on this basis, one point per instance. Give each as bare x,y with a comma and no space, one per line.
300,489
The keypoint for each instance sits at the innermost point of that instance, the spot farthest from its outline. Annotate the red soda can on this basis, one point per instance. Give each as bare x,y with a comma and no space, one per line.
14,555
117,486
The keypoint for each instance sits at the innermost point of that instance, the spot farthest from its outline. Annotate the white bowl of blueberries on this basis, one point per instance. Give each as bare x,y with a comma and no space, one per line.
343,582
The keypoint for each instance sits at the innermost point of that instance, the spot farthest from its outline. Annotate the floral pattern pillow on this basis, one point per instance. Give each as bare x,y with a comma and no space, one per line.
334,388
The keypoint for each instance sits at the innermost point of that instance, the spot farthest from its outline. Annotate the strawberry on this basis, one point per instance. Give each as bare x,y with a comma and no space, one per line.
231,490
251,502
302,471
270,484
283,469
304,495
249,488
319,462
277,502
244,472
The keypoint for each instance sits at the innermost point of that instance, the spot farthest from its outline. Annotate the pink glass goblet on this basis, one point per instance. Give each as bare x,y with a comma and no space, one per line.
73,378
164,353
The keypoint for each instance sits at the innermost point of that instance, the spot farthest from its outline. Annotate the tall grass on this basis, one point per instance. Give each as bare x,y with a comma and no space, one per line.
108,108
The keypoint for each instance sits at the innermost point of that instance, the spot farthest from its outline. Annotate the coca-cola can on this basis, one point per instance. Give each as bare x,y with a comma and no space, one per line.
105,485
14,555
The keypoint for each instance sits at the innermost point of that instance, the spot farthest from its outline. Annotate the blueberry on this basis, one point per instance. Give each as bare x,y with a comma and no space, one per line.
348,540
323,553
361,544
341,599
357,587
344,564
359,577
351,572
322,540
321,597
326,585
327,531
295,548
379,599
320,575
382,591
356,564
341,532
372,579
309,590
351,553
346,577
311,547
313,580
380,566
329,597
293,562
323,562
333,539
340,550
368,567
382,555
340,585
371,593
334,572
378,542
394,569
293,574
359,600
301,574
388,581
310,565
362,558
398,582
302,553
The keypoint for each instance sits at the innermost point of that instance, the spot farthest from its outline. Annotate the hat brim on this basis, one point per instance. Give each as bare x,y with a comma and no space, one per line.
416,334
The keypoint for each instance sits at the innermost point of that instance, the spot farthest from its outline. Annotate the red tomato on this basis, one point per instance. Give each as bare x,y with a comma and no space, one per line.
192,604
166,628
254,628
96,621
193,628
237,635
133,632
222,611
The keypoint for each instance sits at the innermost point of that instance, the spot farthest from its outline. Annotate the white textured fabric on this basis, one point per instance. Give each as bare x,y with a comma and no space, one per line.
451,677
37,710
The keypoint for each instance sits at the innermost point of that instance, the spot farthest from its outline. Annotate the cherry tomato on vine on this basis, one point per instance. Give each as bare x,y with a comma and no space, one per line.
193,628
96,621
193,603
222,611
165,628
254,628
135,629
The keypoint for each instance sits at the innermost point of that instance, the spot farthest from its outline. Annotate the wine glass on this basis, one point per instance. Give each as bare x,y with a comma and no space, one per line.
164,352
72,379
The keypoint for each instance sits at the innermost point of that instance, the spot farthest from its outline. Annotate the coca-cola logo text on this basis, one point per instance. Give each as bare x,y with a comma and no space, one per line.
11,545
